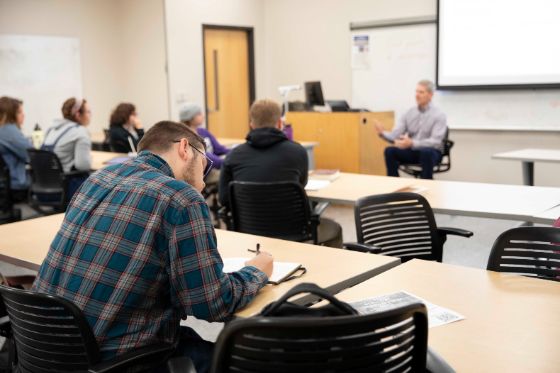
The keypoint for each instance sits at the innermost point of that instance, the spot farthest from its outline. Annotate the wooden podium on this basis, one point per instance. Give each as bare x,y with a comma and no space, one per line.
347,141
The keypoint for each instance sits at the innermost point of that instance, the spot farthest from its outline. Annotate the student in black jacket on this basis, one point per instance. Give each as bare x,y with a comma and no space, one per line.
267,155
125,128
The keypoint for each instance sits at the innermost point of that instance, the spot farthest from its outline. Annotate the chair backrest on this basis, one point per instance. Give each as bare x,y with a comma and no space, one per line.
6,203
445,164
276,209
47,174
394,340
400,224
50,333
530,251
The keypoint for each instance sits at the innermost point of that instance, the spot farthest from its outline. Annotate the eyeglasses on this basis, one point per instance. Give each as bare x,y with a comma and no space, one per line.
209,162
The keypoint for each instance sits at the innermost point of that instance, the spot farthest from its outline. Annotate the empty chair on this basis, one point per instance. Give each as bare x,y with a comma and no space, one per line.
8,213
401,225
443,166
51,334
394,340
50,185
280,210
529,251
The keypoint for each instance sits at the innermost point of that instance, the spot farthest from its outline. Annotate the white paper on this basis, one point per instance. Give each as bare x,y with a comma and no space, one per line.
361,54
281,269
314,184
437,315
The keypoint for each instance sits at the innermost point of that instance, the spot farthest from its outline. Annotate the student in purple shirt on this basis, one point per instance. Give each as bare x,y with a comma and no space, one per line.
191,115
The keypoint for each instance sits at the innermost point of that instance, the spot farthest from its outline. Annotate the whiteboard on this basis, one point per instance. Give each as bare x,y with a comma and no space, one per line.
400,56
43,71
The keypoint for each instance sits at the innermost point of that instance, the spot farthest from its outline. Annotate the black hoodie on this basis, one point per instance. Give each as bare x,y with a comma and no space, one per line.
267,156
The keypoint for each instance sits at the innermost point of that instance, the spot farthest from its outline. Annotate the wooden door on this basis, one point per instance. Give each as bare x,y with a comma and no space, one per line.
228,80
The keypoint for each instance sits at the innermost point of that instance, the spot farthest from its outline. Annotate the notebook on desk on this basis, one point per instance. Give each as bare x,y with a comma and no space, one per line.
118,160
283,271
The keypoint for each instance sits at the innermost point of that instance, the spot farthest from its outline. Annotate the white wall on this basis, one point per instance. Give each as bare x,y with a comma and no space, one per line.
184,20
143,58
122,45
310,40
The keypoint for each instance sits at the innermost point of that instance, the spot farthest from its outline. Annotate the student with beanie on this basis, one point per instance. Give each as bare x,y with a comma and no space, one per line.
191,115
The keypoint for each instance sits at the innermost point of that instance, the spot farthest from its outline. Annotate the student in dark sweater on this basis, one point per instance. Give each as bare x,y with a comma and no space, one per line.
267,155
125,128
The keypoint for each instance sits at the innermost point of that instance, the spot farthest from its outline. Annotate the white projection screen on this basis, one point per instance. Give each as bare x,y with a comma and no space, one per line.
498,43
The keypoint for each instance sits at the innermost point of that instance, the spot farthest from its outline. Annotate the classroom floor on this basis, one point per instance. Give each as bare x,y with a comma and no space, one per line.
471,252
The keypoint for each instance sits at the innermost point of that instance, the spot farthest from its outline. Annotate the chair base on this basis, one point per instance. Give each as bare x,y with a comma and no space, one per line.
329,233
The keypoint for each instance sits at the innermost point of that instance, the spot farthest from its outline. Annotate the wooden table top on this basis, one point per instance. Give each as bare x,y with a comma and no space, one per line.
26,244
99,158
511,324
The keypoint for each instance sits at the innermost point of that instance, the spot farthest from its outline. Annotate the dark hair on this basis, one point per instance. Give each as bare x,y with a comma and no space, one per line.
161,136
8,109
121,114
68,108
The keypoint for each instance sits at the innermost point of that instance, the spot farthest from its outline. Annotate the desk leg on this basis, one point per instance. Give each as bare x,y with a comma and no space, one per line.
528,173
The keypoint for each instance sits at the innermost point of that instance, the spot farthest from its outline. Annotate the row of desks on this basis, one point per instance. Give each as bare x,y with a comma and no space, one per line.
511,322
498,201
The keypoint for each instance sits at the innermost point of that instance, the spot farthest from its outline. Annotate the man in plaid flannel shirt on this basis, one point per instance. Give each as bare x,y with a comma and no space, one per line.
137,251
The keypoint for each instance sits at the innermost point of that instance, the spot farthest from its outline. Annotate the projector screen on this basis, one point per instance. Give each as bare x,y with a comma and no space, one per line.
498,43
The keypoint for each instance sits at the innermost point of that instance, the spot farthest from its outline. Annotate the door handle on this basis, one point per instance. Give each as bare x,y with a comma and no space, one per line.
216,81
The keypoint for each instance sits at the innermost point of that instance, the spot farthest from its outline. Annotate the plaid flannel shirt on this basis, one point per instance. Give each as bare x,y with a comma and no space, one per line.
137,253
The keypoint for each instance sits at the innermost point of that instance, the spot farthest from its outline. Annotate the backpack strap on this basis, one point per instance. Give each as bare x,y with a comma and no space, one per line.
53,145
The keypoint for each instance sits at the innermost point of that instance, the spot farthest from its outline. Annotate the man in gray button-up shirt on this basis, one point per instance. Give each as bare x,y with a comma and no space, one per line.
419,135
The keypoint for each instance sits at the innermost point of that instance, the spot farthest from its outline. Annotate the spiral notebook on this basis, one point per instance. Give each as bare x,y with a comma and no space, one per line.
283,271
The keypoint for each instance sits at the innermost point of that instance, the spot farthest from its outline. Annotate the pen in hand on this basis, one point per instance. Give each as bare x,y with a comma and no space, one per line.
257,251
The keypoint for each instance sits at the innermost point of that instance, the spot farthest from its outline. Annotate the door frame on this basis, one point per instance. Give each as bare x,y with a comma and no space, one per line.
251,58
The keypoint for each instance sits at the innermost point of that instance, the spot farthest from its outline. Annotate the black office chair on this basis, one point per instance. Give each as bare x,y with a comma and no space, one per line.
51,334
530,251
394,340
49,182
401,225
8,213
443,166
280,210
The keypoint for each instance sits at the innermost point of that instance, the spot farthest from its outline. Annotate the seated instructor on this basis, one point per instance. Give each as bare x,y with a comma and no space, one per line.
419,135
137,251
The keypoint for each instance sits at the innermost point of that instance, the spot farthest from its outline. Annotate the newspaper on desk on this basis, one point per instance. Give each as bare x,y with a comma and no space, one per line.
436,315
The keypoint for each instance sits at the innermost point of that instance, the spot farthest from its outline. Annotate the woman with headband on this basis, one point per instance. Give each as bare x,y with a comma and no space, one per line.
69,139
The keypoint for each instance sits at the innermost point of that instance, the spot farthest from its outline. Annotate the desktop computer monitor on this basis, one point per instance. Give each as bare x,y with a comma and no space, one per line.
314,94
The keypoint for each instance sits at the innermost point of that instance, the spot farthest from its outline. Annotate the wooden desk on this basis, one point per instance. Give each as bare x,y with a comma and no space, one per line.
347,141
495,201
528,157
26,244
348,188
98,158
308,145
511,324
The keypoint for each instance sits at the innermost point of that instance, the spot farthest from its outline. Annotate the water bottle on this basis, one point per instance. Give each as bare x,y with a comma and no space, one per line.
289,132
37,136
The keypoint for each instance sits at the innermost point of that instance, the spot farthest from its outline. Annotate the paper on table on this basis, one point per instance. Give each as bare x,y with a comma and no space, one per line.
118,160
437,315
313,184
281,271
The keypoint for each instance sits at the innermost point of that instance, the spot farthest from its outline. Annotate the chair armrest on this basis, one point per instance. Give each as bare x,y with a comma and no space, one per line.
454,231
5,327
361,247
436,364
320,208
180,365
140,357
